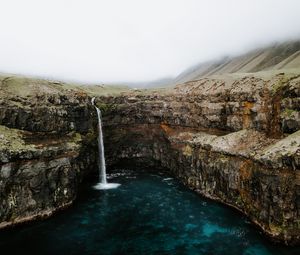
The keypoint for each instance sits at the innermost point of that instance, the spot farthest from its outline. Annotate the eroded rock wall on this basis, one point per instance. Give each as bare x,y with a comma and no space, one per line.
267,105
41,177
48,113
237,169
236,141
47,146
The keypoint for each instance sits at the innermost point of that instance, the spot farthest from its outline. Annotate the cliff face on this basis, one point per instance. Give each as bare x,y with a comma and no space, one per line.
46,149
38,177
267,105
235,140
244,169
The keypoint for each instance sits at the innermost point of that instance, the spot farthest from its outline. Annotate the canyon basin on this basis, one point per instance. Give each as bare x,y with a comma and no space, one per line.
150,213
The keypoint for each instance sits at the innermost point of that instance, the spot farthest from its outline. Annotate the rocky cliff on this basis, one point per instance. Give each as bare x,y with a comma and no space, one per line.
234,139
46,136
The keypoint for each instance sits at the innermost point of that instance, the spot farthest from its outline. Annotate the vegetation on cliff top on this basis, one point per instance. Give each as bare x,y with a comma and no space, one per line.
15,141
15,85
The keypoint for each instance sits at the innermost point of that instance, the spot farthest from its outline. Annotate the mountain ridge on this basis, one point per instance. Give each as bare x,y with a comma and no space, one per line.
277,56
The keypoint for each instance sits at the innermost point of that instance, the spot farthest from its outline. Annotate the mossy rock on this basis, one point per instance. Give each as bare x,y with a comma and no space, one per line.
106,109
288,113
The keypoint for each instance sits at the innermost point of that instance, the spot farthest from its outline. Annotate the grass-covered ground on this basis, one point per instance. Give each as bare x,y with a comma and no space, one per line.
26,86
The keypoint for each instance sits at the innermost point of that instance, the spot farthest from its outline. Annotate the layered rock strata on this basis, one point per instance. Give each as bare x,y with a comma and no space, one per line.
235,140
245,169
46,149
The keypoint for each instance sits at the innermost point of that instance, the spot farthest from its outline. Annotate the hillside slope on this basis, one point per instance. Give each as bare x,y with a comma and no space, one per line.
280,56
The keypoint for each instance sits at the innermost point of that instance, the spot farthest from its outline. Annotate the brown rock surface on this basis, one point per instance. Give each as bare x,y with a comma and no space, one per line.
235,140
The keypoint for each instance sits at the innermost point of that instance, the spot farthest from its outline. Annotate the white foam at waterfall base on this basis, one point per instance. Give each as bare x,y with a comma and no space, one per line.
102,167
102,186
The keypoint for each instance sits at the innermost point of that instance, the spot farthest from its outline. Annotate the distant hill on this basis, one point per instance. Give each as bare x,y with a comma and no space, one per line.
275,58
278,56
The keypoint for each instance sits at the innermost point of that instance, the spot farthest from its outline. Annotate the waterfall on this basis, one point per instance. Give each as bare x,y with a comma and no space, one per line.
102,167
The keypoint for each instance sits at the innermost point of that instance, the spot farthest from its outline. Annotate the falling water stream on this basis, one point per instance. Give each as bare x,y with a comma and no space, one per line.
102,167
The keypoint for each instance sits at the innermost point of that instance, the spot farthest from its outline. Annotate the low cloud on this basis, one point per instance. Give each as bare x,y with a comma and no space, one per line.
134,40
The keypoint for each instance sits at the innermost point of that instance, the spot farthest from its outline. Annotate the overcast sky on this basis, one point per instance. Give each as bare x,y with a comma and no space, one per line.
134,40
